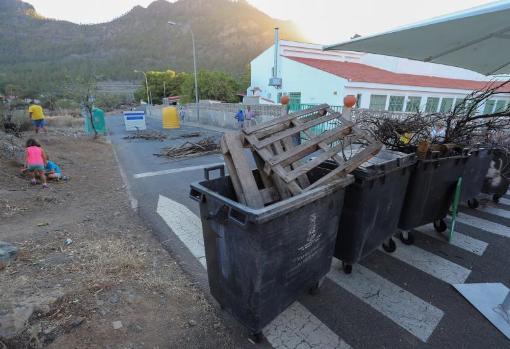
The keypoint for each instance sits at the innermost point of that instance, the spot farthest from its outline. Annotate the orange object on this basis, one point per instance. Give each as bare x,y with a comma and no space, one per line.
349,101
284,100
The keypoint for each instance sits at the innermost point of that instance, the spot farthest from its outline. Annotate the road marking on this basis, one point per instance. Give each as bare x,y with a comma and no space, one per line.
132,199
485,225
295,328
504,201
185,224
402,307
430,263
175,170
459,240
495,211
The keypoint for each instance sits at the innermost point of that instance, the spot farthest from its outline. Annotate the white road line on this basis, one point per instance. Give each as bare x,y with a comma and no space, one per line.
174,170
504,201
295,328
185,224
485,225
459,240
430,263
405,309
495,211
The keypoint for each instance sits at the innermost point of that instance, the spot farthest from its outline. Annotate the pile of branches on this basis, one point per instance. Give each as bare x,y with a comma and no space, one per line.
461,125
187,149
147,135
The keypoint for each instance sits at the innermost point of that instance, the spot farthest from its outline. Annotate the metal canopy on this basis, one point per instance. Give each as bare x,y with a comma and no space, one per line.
477,39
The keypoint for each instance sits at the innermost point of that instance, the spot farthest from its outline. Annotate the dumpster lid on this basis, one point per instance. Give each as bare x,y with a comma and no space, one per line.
384,162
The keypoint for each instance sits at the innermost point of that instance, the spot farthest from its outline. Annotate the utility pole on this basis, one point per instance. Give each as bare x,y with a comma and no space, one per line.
194,68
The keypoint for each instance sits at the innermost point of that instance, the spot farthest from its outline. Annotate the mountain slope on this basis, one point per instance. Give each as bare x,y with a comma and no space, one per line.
228,35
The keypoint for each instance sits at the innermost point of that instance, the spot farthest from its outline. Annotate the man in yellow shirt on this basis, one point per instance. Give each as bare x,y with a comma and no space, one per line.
37,116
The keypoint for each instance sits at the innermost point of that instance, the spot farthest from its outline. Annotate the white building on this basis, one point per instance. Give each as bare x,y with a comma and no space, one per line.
312,76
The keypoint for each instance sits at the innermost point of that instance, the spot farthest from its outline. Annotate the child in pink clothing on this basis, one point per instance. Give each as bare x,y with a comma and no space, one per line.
35,161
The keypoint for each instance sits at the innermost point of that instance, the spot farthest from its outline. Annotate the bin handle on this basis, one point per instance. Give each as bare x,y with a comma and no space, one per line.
237,216
195,195
213,168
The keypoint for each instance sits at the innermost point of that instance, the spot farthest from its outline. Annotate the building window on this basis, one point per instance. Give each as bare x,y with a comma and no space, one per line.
358,100
396,103
432,104
460,104
377,102
489,106
446,105
294,101
413,104
500,106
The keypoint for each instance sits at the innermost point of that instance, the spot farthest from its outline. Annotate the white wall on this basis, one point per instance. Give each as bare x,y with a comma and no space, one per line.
316,86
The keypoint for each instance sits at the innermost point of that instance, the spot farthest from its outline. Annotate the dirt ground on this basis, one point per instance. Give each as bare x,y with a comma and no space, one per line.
113,286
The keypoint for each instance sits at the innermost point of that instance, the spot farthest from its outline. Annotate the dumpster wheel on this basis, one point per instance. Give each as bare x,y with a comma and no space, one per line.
406,237
496,198
315,289
257,337
473,203
389,246
347,268
440,225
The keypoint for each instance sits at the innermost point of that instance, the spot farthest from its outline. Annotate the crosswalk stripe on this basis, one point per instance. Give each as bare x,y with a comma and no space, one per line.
185,224
174,170
495,211
485,225
402,307
459,240
430,263
294,328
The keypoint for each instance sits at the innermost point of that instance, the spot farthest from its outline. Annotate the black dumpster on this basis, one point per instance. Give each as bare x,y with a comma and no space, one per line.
430,191
372,206
473,178
497,179
260,260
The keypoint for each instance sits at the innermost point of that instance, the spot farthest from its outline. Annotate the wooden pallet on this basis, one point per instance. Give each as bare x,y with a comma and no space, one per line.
246,187
288,160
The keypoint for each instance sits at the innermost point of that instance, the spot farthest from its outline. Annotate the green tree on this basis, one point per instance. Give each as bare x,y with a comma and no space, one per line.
161,84
214,85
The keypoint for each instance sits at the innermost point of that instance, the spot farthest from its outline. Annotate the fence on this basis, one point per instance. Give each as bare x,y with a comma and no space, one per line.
223,114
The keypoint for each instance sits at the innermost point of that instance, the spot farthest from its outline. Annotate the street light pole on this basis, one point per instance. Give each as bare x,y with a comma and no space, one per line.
146,85
194,69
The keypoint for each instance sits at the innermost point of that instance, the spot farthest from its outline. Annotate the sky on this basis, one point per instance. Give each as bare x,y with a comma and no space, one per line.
322,21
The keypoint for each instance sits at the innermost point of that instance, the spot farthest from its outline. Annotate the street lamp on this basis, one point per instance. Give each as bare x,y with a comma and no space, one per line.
146,85
194,66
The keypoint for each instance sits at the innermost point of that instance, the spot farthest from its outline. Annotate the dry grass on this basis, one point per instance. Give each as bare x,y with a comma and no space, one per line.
64,121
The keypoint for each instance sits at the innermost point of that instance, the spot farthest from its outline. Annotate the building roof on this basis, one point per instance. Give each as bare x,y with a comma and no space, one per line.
358,72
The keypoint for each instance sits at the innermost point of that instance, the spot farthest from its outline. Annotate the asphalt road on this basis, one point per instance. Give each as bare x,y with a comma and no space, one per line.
402,300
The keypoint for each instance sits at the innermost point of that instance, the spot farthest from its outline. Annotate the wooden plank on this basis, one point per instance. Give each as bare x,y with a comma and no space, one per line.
322,145
232,172
280,185
310,146
302,180
308,166
234,144
283,119
266,180
349,166
269,195
278,147
293,130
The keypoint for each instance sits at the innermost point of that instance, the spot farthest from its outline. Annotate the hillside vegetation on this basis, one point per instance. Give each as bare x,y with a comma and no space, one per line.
39,54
